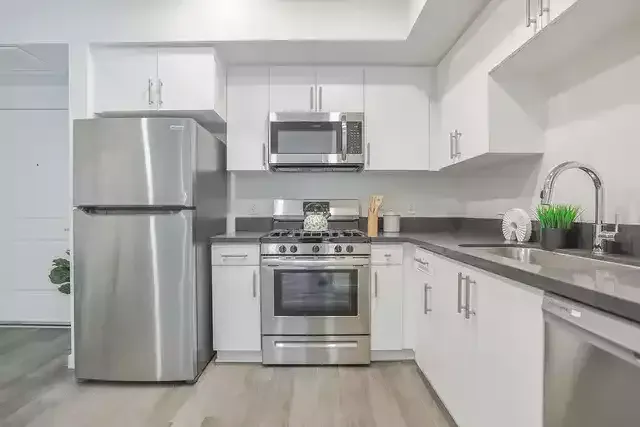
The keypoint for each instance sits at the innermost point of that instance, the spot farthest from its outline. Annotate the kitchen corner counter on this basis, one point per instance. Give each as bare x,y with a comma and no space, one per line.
237,237
615,290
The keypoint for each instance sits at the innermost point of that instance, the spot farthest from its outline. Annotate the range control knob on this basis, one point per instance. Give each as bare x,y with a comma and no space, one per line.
293,249
349,248
338,249
282,249
315,249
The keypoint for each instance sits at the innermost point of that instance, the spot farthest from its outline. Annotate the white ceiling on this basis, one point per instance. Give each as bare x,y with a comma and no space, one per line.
34,64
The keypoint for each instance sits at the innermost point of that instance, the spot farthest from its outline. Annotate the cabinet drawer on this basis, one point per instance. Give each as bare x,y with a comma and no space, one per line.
423,261
386,254
235,255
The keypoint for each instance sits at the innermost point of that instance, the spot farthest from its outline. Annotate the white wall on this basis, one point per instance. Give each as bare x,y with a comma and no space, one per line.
594,118
408,193
34,189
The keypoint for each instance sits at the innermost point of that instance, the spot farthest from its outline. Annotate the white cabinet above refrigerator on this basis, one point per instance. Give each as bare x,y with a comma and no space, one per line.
166,81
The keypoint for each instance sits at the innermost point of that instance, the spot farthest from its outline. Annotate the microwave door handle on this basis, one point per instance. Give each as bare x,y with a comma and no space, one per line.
344,137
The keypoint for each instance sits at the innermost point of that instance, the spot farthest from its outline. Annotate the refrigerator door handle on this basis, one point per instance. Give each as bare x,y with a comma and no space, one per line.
119,210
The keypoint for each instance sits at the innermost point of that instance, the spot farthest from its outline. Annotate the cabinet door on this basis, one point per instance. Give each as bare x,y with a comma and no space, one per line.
125,79
247,118
340,89
386,308
509,354
236,308
397,105
292,89
557,7
187,79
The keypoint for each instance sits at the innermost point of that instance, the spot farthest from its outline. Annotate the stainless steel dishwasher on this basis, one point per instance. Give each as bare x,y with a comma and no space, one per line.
592,367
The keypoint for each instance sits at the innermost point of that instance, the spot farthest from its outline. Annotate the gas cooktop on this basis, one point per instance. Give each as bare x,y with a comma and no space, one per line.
302,236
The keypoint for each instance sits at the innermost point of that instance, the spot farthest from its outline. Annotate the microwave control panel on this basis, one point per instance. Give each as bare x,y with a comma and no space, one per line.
354,138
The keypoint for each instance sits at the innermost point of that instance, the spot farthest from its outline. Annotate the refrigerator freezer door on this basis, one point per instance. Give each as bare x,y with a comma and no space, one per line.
133,162
134,278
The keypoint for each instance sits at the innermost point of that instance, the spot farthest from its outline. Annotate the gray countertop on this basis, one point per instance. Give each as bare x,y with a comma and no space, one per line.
612,289
238,237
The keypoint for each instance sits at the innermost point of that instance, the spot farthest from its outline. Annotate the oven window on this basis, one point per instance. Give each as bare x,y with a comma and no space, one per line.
316,293
305,138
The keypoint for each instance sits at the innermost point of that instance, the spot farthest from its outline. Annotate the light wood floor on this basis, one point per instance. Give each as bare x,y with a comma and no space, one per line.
37,390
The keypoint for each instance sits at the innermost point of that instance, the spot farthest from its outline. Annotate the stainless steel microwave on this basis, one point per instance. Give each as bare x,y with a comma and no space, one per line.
314,141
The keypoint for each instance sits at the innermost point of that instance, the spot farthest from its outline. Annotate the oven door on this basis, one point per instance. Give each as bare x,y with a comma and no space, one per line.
315,296
299,141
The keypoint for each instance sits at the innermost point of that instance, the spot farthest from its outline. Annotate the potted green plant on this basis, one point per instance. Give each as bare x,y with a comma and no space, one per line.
555,223
60,274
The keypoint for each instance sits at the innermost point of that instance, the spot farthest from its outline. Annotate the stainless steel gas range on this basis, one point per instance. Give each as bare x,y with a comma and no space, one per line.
315,288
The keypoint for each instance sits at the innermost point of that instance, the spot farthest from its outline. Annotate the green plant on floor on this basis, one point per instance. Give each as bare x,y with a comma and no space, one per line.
60,274
557,216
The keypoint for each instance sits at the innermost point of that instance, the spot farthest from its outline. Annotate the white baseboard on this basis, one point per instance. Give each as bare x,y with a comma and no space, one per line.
392,355
238,357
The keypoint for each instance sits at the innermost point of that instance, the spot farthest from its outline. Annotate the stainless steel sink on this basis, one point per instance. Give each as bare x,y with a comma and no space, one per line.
554,259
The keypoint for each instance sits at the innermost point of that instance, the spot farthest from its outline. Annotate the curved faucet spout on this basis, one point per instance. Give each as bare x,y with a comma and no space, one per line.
549,184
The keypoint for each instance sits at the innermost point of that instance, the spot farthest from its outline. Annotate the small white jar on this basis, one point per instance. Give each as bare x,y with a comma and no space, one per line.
391,223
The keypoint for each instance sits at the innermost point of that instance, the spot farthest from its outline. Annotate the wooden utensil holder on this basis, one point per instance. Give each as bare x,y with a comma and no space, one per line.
372,228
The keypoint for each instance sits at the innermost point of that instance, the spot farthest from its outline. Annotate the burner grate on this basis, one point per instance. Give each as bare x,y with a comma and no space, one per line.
316,234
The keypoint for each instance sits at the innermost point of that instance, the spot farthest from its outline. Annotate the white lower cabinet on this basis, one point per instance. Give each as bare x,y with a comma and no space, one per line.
486,367
236,308
386,307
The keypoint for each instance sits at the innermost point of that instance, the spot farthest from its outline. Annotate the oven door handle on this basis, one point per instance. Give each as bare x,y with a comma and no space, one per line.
316,264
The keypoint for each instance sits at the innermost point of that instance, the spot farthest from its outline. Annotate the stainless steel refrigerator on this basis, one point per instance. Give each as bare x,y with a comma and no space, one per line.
147,193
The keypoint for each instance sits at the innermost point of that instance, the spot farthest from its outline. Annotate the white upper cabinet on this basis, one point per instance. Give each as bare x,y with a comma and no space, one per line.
397,117
292,89
125,79
247,118
340,89
482,119
191,79
165,79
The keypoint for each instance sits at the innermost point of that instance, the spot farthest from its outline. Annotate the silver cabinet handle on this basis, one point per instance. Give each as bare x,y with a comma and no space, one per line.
311,106
456,138
343,119
467,304
459,293
427,288
375,284
528,18
150,90
451,139
369,154
264,156
320,97
160,86
255,291
234,255
540,7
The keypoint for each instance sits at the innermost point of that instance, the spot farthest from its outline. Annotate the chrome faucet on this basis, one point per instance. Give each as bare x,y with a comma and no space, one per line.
599,234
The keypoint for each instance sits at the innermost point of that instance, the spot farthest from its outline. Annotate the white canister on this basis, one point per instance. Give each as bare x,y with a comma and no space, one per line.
391,222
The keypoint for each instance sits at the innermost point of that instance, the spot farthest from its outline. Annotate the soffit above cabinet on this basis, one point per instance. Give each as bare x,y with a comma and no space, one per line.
430,34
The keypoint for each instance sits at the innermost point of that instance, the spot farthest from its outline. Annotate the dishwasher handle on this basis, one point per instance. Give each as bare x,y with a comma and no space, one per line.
612,333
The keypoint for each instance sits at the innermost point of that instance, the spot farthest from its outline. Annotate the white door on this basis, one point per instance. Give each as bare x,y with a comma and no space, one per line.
292,89
186,78
247,118
386,308
34,221
340,89
397,122
236,308
510,353
125,79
